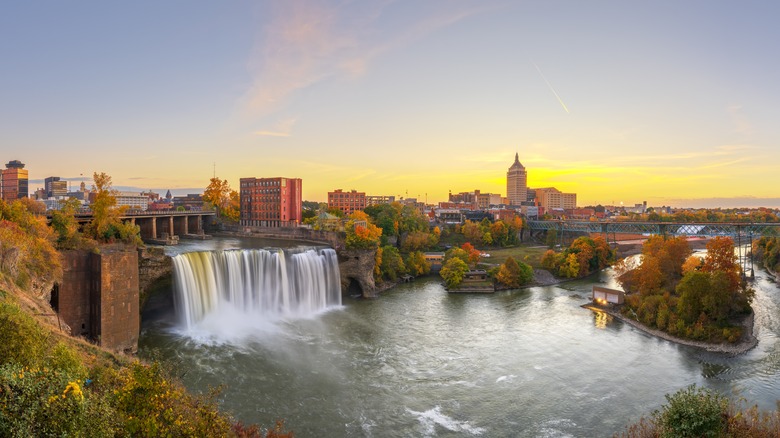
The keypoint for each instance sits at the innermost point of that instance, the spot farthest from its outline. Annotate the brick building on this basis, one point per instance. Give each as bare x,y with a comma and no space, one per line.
551,198
270,202
14,183
347,202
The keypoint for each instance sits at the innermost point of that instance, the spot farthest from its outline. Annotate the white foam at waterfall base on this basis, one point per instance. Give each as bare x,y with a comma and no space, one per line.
433,417
231,296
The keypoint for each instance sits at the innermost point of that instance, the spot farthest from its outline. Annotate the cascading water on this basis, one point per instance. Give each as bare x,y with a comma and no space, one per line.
255,283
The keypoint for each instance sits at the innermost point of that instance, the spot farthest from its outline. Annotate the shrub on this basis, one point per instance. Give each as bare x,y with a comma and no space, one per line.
24,342
693,412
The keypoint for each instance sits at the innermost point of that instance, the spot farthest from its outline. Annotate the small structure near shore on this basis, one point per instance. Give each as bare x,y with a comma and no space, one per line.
605,295
475,281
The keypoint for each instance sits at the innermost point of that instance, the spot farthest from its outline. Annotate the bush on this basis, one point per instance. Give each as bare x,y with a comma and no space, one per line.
24,342
693,412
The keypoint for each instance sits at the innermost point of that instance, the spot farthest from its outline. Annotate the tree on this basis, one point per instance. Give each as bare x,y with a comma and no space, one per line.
453,272
514,274
361,233
551,239
225,200
64,223
472,231
392,265
416,264
473,254
721,257
106,225
459,253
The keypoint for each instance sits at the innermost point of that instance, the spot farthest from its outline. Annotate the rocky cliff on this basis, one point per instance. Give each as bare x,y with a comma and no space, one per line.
153,267
357,271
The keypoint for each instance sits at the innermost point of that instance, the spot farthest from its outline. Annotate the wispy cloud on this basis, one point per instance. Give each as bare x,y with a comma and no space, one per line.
309,41
280,129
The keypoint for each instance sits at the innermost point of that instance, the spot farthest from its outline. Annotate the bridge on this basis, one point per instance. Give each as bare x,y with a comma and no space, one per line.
738,231
742,233
164,226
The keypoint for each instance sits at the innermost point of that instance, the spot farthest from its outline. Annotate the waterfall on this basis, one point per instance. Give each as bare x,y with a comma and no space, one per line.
256,282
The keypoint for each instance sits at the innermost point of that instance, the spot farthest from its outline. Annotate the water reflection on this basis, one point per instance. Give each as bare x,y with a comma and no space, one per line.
601,319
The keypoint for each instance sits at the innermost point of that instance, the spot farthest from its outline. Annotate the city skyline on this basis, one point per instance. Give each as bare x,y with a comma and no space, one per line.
620,103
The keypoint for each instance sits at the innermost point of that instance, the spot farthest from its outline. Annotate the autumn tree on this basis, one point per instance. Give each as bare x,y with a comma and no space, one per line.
225,200
721,257
453,272
106,225
416,264
361,233
513,274
473,254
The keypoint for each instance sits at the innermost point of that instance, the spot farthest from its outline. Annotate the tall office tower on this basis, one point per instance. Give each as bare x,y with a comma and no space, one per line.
517,183
15,184
270,202
55,187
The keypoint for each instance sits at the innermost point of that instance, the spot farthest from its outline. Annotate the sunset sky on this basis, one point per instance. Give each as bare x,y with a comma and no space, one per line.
669,102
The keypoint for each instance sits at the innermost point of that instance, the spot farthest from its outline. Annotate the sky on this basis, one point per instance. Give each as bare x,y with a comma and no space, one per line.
669,102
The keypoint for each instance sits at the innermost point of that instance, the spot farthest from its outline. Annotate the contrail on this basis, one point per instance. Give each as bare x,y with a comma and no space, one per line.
551,87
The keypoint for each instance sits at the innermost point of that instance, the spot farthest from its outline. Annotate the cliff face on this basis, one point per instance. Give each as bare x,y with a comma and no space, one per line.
153,266
357,269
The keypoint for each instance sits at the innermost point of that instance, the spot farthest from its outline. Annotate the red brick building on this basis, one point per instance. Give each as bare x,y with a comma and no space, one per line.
347,202
270,202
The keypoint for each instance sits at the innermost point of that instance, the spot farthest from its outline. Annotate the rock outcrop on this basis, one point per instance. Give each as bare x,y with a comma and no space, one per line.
357,271
153,266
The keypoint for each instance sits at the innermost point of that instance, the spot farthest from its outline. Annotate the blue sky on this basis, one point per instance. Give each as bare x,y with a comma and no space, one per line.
669,102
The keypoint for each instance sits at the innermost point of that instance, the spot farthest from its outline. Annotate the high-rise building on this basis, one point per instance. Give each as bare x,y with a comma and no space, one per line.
270,202
14,181
517,183
54,187
347,202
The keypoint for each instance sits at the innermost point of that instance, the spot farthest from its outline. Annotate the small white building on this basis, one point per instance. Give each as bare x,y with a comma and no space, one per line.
605,295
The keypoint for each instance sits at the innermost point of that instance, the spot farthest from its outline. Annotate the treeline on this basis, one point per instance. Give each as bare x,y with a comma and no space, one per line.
706,215
685,295
767,250
584,256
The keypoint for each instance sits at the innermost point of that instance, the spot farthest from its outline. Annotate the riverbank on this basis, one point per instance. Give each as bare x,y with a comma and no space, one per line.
745,344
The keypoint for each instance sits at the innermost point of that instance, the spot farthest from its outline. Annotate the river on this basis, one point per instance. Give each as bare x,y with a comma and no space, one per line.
420,362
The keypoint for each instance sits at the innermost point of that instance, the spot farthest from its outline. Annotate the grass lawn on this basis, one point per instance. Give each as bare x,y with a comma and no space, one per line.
531,255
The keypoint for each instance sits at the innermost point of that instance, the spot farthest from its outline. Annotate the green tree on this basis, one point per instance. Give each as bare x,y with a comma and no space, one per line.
392,265
416,264
453,272
551,239
64,223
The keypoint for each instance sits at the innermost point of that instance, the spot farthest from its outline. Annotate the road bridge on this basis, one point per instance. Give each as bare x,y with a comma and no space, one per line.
164,226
